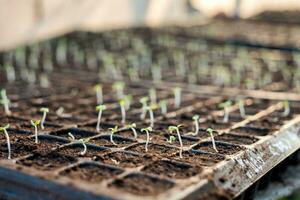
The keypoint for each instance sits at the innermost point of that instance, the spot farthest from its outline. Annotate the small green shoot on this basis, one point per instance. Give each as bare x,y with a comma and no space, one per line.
287,109
241,104
210,131
171,129
132,127
100,109
128,100
196,122
119,88
83,142
151,113
163,106
147,130
35,125
99,93
152,95
44,111
171,139
71,137
144,101
177,97
123,110
4,130
225,105
5,102
112,132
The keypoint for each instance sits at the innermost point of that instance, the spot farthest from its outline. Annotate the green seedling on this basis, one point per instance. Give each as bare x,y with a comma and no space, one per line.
225,105
171,139
132,127
112,132
35,125
44,111
123,110
128,100
144,101
5,102
150,110
147,130
163,106
4,130
241,104
152,95
287,109
99,93
177,97
210,131
82,141
119,88
196,122
171,129
100,109
71,137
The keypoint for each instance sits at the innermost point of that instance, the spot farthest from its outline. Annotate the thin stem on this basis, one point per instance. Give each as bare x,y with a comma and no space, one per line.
180,141
226,114
242,108
8,143
99,96
84,148
147,140
43,120
196,122
123,112
36,134
99,120
213,142
134,132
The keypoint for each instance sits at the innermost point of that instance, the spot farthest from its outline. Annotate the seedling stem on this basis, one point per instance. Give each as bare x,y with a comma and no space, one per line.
4,129
287,109
100,109
44,111
225,105
176,128
210,131
113,131
132,127
147,130
5,102
35,124
99,93
177,97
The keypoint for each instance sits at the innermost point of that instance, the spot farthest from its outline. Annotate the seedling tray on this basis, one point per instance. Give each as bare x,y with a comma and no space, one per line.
248,148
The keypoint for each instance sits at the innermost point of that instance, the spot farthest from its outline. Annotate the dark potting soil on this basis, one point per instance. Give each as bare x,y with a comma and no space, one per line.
77,133
76,149
153,149
255,131
222,148
104,140
172,169
236,139
142,185
125,159
200,158
89,172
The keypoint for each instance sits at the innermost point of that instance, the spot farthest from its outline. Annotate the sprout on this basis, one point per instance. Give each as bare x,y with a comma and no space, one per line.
44,111
163,106
128,100
132,127
177,97
99,93
152,95
171,129
82,141
35,124
150,110
196,122
123,110
210,131
100,109
171,139
147,130
5,102
4,129
144,101
119,88
287,109
242,108
225,105
113,130
71,136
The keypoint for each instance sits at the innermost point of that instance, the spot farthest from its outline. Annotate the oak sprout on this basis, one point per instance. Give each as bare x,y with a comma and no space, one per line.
112,132
196,122
147,130
132,127
5,102
4,129
177,97
44,111
152,95
171,139
225,105
99,93
210,131
100,109
144,101
163,106
35,124
171,129
123,110
119,88
287,109
242,108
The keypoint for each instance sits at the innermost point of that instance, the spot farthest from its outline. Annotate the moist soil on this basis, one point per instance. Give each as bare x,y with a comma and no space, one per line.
91,172
200,158
226,149
172,169
77,133
236,139
252,131
153,149
125,159
104,140
143,185
76,149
